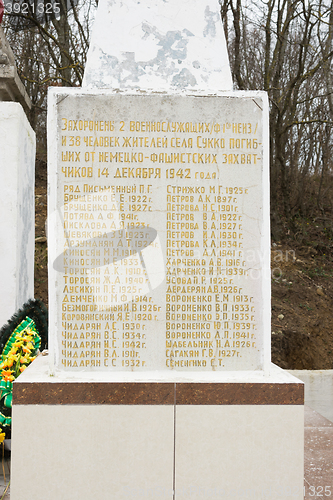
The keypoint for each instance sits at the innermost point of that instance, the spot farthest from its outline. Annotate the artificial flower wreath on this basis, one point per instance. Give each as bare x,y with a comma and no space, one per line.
19,351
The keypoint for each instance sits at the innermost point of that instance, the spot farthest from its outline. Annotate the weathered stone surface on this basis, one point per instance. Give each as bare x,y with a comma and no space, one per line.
158,45
161,231
11,87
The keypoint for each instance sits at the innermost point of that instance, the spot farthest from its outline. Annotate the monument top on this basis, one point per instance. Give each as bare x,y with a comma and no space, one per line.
11,87
160,45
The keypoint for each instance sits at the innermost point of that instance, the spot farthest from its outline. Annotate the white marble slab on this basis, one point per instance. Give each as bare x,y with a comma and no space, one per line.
245,451
93,451
158,208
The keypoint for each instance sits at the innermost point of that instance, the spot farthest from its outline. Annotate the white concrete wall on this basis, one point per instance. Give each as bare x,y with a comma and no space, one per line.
17,209
318,390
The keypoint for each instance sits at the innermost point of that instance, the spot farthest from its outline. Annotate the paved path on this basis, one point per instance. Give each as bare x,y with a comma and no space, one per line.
5,477
318,459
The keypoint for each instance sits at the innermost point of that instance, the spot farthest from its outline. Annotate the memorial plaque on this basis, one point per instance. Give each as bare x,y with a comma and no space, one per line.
158,208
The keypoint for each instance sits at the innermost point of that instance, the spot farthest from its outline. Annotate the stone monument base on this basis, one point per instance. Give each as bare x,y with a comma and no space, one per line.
133,436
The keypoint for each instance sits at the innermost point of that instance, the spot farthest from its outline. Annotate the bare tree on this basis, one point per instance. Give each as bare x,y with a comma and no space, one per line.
50,52
285,48
281,46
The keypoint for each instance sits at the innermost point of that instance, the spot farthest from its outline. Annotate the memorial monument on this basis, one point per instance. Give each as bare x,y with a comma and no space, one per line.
159,276
17,177
160,233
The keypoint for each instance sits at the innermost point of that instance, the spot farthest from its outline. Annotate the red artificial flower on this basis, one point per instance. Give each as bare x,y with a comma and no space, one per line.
2,9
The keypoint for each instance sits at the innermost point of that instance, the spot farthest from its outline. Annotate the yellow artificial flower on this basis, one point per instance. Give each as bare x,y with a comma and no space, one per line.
19,356
10,361
2,436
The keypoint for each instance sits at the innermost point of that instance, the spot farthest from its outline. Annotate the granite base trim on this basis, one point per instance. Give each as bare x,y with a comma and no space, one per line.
240,394
138,393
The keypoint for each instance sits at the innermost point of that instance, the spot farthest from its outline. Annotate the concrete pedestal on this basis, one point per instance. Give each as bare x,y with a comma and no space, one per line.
127,436
17,208
318,390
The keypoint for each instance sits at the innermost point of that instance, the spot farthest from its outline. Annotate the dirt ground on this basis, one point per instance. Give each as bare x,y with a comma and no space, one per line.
41,289
302,299
302,288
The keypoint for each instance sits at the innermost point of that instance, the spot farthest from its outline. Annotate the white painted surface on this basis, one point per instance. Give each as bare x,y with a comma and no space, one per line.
250,451
158,45
17,209
95,451
318,390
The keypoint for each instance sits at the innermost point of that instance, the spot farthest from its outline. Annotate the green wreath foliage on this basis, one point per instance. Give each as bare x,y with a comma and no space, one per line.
19,347
37,311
